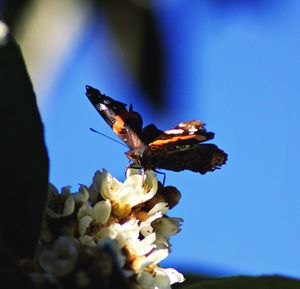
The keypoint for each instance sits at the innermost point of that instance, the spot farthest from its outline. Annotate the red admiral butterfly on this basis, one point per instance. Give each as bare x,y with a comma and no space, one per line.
177,149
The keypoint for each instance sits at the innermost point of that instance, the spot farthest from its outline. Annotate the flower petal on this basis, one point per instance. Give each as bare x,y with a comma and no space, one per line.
174,275
101,211
105,183
69,207
82,196
154,258
146,245
85,210
84,224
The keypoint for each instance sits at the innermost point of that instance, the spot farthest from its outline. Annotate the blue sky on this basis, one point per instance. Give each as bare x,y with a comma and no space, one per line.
235,66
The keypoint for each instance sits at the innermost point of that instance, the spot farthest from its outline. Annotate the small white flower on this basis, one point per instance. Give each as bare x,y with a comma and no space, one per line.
130,193
127,233
82,196
160,207
142,263
174,275
104,184
135,190
60,204
166,227
160,278
155,213
91,219
84,223
100,212
155,257
85,210
144,246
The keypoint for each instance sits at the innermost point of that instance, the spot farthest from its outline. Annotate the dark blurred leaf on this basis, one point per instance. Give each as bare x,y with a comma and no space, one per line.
12,10
24,160
135,30
242,282
10,273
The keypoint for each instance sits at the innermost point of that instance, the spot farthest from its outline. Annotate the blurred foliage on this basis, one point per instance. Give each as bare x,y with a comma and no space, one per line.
12,10
134,28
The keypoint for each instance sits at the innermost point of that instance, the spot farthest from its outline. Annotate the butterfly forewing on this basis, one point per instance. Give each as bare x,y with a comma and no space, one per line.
186,132
118,117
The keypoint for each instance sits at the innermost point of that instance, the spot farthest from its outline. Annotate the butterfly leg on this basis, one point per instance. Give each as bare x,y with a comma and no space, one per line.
161,173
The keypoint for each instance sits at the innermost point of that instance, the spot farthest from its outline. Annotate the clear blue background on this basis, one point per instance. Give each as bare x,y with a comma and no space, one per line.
234,65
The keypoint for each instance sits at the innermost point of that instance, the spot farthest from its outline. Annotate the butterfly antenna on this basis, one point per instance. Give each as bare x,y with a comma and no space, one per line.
93,130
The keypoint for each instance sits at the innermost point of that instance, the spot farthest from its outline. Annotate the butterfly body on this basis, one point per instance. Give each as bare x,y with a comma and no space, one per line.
177,149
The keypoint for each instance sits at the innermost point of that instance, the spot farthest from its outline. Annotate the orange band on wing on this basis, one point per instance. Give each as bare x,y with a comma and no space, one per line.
118,125
161,142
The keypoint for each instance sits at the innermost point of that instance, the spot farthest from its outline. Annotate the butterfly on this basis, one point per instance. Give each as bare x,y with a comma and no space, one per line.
177,149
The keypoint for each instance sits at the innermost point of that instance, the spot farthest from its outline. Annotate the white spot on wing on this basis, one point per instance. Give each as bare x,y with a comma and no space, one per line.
192,130
102,106
174,131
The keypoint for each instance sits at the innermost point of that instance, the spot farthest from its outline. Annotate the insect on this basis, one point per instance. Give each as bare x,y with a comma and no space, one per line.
177,149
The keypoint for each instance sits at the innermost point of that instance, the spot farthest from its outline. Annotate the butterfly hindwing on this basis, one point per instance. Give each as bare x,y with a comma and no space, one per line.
181,148
199,158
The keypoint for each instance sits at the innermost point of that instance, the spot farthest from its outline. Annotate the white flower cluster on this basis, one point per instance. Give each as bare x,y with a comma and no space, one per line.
110,235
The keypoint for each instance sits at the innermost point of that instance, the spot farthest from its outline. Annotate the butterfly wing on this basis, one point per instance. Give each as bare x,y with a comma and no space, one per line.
150,133
126,124
181,148
186,132
200,158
